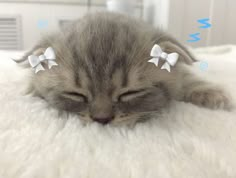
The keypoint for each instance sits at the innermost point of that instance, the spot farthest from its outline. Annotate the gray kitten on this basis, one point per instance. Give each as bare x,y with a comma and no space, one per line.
103,73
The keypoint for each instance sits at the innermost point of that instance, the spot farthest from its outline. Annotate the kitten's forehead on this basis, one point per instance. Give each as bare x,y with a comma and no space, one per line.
102,81
110,55
106,42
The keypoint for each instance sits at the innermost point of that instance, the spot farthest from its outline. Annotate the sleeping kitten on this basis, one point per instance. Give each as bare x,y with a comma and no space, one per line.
103,73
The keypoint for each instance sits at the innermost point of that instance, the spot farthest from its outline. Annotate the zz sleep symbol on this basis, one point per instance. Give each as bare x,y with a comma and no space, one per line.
205,23
195,37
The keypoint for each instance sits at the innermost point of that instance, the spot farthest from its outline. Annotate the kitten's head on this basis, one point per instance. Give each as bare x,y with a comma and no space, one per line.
102,73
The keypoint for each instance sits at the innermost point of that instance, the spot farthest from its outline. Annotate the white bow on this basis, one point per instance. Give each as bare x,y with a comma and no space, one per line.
48,57
157,53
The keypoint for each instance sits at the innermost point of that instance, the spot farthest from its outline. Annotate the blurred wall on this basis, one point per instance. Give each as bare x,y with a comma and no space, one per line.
38,17
156,12
32,15
179,18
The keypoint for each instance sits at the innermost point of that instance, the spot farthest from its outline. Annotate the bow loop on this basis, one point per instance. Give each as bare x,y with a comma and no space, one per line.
48,57
50,54
157,54
156,51
33,60
172,58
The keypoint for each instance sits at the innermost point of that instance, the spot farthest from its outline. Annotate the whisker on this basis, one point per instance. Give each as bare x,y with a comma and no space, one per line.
136,114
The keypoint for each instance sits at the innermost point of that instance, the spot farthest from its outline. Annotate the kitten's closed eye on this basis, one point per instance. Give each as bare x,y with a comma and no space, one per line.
75,96
131,94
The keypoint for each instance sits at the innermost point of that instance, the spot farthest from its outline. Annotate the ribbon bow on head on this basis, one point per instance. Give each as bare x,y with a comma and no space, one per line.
48,57
157,54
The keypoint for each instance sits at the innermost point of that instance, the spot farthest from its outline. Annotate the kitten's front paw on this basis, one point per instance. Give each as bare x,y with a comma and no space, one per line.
210,98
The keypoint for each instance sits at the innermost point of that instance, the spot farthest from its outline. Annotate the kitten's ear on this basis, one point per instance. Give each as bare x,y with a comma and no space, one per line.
184,54
23,61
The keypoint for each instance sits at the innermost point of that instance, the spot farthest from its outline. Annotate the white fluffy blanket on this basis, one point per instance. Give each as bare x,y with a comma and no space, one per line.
186,142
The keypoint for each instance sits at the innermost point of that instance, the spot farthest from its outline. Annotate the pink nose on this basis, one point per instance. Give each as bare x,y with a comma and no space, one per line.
104,120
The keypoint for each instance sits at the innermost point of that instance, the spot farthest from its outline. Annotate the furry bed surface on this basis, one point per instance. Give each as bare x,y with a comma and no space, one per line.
185,142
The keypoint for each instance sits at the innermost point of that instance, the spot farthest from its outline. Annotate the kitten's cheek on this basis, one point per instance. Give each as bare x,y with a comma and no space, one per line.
123,115
127,109
71,106
129,120
82,115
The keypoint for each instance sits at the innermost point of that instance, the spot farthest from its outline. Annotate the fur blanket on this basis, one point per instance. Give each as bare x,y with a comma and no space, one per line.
186,142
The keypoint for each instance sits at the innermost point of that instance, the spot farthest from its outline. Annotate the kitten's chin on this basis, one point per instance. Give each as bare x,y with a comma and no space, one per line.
114,123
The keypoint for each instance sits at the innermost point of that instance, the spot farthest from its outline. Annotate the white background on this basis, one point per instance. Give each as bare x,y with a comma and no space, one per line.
178,17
